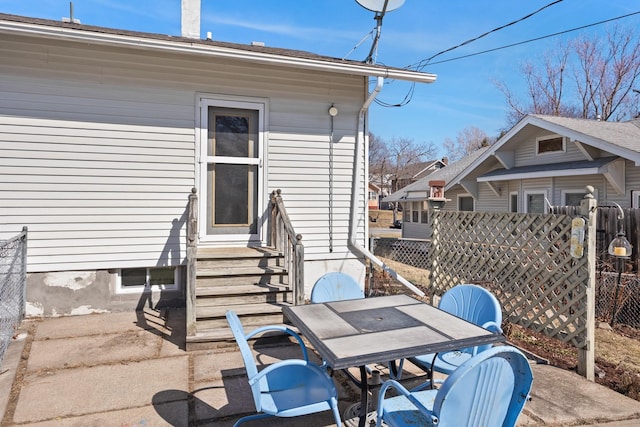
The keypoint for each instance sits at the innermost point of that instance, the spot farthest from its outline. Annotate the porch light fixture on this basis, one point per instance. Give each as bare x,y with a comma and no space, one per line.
333,111
620,246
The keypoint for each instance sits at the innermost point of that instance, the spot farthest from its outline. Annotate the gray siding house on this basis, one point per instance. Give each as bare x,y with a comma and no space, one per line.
541,161
104,133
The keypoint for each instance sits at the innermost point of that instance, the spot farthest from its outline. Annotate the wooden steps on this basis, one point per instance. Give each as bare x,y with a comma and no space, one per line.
253,282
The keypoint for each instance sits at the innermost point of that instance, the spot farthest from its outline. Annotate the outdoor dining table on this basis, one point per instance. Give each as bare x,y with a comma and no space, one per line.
354,333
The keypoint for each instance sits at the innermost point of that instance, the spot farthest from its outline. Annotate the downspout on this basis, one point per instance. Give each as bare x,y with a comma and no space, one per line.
353,232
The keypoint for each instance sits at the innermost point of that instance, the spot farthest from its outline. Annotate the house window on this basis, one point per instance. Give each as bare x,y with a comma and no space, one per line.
406,212
572,198
465,203
535,202
550,145
424,216
635,199
415,211
513,202
152,278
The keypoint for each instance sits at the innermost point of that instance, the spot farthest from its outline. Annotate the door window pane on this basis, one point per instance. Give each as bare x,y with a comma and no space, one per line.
234,194
232,135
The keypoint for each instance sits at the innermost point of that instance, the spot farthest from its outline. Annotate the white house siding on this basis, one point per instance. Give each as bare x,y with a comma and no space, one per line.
97,152
525,153
488,201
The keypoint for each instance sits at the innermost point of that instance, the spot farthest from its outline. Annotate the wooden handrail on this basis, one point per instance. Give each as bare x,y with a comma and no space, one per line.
192,252
285,240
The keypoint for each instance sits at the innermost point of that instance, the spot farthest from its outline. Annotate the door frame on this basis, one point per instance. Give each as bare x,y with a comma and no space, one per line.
261,105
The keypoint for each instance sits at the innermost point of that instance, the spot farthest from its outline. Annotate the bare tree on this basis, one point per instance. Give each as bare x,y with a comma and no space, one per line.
404,153
607,72
467,141
380,168
586,77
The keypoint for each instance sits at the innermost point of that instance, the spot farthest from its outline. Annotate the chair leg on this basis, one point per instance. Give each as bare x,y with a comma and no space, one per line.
336,412
251,418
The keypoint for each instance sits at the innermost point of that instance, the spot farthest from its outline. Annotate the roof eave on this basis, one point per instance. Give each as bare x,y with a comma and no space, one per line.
139,42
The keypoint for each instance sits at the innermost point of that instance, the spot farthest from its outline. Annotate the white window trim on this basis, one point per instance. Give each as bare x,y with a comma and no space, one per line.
138,289
465,195
635,199
525,202
547,137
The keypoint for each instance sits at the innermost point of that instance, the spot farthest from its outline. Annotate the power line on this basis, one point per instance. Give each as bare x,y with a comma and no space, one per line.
535,39
425,62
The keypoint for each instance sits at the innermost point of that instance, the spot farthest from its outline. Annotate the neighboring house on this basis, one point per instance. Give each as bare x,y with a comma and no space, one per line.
414,197
390,183
547,160
104,133
374,196
414,172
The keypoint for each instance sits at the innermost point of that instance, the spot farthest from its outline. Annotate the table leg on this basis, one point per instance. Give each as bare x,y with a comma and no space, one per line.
364,396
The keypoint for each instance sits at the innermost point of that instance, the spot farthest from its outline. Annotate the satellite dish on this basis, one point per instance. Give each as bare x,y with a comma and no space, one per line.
379,5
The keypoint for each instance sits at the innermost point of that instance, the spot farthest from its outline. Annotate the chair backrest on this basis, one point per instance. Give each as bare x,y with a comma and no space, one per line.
335,286
490,389
245,350
474,304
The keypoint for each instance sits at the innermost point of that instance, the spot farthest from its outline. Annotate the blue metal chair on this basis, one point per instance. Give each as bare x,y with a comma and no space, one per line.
469,302
288,388
335,286
489,389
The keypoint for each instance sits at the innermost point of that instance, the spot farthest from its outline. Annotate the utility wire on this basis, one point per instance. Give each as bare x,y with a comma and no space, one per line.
409,94
536,39
420,65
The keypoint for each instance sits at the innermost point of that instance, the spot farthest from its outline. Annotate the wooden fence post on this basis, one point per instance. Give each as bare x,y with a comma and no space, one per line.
586,354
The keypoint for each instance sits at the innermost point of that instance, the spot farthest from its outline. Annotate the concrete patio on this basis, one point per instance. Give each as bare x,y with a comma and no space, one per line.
131,369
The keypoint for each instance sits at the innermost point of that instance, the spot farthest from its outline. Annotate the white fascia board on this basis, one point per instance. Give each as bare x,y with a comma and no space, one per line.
541,174
137,42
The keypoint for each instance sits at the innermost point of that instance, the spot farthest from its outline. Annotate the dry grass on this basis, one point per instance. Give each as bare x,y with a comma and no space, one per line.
383,219
617,349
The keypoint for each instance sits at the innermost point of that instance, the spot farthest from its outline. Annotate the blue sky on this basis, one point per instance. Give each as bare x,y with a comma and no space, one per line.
463,94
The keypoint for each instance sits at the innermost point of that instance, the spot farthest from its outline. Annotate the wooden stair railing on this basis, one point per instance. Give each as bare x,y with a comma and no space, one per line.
285,240
192,252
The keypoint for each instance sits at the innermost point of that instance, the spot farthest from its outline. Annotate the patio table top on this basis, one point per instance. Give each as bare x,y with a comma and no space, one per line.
379,329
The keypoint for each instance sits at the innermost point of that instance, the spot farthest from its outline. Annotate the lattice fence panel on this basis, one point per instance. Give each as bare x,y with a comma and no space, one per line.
524,259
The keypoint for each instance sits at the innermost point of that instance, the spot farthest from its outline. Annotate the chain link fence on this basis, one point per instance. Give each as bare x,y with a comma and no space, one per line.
13,284
618,299
406,251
